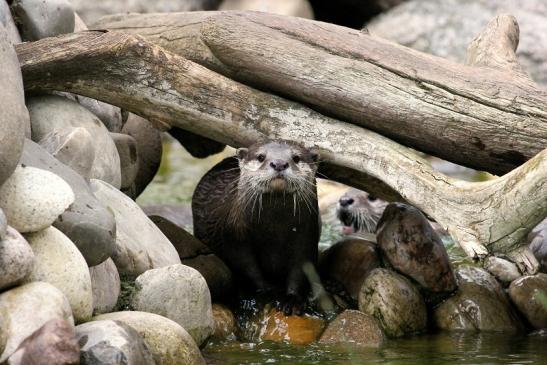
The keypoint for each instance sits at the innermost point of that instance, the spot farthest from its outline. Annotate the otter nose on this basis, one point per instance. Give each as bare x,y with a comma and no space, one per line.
344,202
279,165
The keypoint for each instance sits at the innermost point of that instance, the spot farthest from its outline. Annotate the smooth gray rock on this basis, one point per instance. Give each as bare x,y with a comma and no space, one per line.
149,150
87,222
445,28
110,115
50,113
28,307
112,343
16,259
529,293
72,146
59,263
14,117
179,293
105,282
537,241
129,163
3,225
6,20
140,245
33,198
43,18
504,270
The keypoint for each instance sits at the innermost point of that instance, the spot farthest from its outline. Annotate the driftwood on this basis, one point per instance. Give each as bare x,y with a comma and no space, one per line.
485,115
169,90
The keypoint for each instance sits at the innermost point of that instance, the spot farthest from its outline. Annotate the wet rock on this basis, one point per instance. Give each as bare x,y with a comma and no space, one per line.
105,284
16,259
394,302
87,222
194,253
112,343
504,270
27,308
140,245
166,339
6,20
479,304
59,263
110,115
537,240
529,293
179,214
14,117
349,262
179,293
72,146
444,28
410,245
32,198
43,18
149,150
52,113
53,344
196,145
354,327
127,150
224,322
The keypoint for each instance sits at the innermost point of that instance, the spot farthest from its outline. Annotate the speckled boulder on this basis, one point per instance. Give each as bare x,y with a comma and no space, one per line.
59,263
394,302
112,342
529,293
224,322
16,259
43,18
179,293
32,198
169,343
27,308
105,282
354,328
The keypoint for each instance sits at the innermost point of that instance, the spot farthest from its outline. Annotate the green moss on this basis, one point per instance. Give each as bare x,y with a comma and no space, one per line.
126,293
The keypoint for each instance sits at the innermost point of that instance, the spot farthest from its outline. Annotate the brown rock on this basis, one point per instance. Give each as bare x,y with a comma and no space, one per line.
529,293
53,344
224,322
354,327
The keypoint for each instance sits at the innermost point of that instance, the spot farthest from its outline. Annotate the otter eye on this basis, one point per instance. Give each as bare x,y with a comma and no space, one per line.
372,198
296,159
261,158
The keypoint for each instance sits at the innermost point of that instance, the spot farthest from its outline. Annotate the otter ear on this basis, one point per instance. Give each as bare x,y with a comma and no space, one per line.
242,153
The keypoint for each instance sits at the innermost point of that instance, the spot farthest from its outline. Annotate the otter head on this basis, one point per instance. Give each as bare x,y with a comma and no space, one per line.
277,166
359,211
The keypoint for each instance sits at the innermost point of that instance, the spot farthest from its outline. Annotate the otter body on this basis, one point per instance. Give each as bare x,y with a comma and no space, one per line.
258,212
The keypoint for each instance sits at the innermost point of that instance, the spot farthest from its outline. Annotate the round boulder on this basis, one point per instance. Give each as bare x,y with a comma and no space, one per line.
127,150
16,259
394,302
40,19
32,198
529,293
355,328
179,293
105,282
224,322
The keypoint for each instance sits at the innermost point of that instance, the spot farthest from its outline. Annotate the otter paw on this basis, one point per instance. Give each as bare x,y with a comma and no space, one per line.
292,304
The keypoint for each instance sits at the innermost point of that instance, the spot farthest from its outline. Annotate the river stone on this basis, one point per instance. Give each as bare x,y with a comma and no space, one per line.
410,245
445,28
394,302
179,214
504,270
16,259
3,225
59,263
72,146
169,343
32,198
112,343
149,150
129,164
529,293
6,20
27,308
140,245
480,304
87,222
53,344
110,115
224,322
106,286
179,293
194,253
537,240
43,18
53,112
14,117
354,327
349,262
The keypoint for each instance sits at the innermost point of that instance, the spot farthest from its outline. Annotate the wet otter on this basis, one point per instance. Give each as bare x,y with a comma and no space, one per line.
258,212
359,211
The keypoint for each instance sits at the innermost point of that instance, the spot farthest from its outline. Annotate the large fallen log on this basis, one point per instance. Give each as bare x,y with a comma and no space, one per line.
487,115
167,89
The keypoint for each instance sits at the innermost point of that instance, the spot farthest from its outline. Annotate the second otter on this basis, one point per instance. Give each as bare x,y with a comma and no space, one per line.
259,213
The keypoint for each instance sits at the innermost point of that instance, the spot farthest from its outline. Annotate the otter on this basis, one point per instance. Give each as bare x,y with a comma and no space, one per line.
359,211
258,212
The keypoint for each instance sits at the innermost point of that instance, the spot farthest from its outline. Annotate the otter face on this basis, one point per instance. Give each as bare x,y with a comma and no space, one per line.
278,166
359,211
